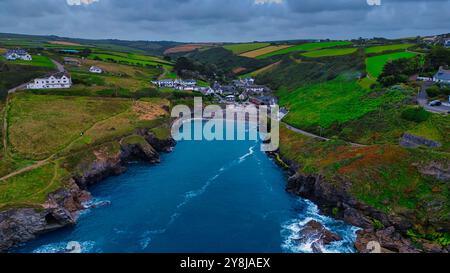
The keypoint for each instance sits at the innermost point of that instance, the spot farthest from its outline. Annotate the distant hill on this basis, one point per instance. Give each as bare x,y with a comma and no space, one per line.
149,47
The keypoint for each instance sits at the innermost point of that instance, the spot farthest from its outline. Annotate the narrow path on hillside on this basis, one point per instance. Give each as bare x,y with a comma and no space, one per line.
59,67
311,135
5,128
53,156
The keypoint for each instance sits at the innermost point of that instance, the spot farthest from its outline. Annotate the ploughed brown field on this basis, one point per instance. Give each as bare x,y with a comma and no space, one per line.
185,48
262,51
63,43
238,70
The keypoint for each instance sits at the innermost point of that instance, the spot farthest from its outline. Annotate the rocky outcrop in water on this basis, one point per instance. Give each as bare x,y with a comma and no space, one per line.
62,207
315,233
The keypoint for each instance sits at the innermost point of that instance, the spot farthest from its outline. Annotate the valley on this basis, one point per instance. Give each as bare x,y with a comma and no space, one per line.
370,154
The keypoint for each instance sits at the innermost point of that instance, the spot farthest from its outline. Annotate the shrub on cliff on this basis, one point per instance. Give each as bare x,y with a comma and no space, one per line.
416,115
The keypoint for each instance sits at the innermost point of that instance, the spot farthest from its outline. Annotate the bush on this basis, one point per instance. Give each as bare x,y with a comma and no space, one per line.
416,115
434,91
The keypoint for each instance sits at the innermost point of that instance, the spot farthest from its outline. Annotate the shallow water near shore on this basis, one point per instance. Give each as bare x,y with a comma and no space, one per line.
219,196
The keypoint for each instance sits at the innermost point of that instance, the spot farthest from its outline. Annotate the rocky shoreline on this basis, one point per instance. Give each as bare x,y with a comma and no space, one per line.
62,207
19,225
387,231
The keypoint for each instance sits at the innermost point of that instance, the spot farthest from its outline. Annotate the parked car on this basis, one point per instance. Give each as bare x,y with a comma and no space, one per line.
435,103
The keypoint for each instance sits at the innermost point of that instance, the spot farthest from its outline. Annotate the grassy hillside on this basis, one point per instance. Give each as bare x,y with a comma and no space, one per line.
54,42
241,48
329,52
376,64
380,49
40,61
309,71
31,116
383,176
12,75
129,59
306,47
63,130
226,61
333,102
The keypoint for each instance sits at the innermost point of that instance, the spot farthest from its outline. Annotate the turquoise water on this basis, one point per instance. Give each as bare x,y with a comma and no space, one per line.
222,196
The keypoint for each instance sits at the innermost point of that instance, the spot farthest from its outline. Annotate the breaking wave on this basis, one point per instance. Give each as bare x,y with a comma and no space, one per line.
291,229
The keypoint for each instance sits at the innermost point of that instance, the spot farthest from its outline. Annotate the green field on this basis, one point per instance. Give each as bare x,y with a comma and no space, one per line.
324,104
40,61
241,48
380,49
31,189
42,125
376,64
130,59
306,47
329,52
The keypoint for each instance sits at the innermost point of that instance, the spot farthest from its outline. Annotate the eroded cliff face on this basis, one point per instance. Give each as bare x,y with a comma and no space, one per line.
19,225
336,200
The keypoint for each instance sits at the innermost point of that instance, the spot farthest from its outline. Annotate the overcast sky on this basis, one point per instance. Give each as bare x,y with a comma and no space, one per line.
225,20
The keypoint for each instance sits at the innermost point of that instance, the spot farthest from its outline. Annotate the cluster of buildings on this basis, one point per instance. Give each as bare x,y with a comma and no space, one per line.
18,54
447,43
437,40
243,90
239,90
178,84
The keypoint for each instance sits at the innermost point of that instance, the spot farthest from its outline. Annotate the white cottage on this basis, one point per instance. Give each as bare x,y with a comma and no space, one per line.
96,70
56,81
18,54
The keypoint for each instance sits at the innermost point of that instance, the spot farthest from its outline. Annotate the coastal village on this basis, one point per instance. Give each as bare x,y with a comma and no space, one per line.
242,91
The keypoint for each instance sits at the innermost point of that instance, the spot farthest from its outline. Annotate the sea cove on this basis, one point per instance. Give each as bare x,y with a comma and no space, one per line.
205,196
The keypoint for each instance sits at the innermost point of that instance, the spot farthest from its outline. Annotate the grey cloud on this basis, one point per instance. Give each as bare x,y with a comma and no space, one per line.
225,20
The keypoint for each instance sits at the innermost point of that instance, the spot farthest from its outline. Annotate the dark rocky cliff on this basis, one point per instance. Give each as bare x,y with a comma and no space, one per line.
19,225
335,199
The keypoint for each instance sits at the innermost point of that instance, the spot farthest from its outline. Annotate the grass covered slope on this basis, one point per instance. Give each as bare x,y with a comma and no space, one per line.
383,176
38,60
380,49
241,48
333,102
329,52
61,132
376,64
42,125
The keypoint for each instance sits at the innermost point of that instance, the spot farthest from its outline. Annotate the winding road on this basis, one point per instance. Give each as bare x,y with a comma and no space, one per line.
423,100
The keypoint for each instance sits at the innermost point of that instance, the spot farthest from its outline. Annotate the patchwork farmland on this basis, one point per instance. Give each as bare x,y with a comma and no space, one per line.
306,47
263,51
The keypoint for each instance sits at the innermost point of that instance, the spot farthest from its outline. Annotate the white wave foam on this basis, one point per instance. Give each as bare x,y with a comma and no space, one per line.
291,229
251,151
86,247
